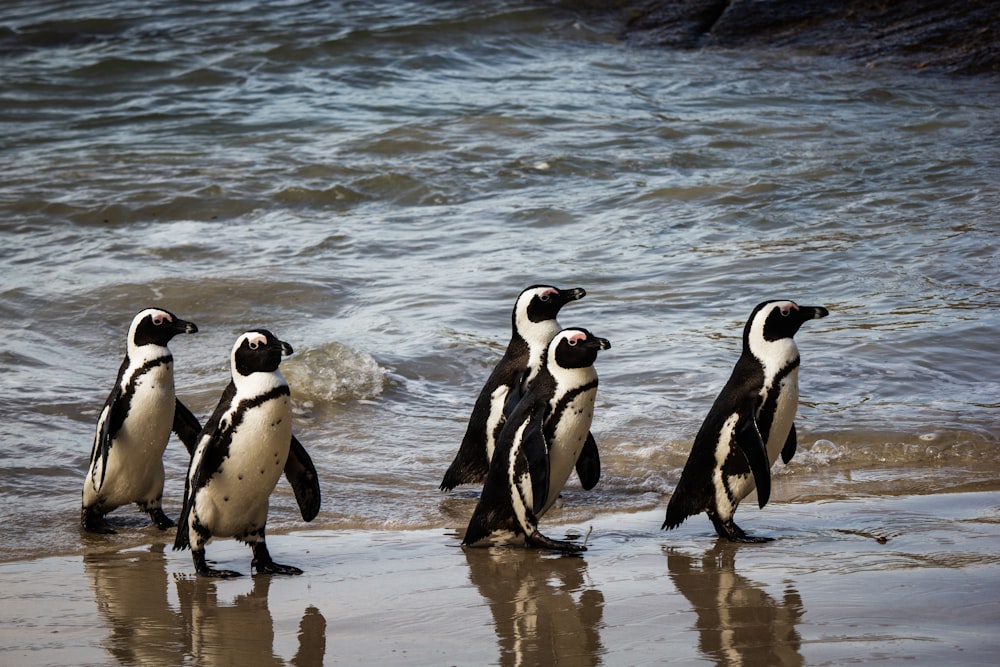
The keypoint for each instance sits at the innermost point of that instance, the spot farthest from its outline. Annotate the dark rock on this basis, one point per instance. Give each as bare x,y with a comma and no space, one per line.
954,36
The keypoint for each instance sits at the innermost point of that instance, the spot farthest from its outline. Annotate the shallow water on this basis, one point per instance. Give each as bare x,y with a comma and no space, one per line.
375,183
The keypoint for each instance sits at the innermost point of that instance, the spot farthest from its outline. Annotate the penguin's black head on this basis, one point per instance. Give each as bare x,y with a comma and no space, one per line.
542,302
774,320
258,351
576,348
154,326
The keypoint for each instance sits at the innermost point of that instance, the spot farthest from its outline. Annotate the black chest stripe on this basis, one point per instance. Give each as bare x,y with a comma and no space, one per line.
118,413
563,404
129,390
218,451
248,404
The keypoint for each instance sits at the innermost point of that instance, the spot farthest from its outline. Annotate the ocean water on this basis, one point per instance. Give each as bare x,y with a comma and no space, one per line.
376,182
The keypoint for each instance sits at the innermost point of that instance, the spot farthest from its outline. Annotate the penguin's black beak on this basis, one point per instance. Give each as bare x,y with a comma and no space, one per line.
603,343
572,294
183,326
813,312
286,349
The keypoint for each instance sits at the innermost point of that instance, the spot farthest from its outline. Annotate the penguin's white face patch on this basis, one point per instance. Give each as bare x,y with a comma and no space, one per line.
773,354
537,334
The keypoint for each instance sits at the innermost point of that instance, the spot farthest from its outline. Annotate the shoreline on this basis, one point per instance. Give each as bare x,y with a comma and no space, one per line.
894,579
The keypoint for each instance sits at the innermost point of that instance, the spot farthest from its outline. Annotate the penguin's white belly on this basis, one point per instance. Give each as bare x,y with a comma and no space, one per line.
235,500
567,443
134,470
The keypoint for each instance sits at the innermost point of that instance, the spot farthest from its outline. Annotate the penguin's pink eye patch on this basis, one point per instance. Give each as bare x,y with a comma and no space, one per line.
787,308
576,338
256,341
548,294
160,318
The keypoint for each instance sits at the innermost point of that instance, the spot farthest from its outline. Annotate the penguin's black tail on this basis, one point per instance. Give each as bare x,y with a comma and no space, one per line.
181,539
464,472
678,509
476,530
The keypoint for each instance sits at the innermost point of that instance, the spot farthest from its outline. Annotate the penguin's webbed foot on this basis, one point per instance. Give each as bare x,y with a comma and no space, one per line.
274,568
94,522
203,570
728,530
263,564
161,520
539,541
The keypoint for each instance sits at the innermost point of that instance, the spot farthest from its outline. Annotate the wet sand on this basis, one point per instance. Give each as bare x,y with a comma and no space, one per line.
911,580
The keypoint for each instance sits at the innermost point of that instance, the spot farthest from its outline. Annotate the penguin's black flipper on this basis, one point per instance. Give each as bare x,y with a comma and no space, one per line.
588,466
788,451
102,444
111,420
749,440
186,426
301,474
535,452
203,462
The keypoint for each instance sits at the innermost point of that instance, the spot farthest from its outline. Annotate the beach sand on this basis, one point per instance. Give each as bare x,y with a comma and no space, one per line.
887,580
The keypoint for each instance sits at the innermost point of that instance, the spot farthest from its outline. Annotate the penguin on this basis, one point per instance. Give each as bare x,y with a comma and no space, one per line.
242,451
750,424
539,445
126,459
533,324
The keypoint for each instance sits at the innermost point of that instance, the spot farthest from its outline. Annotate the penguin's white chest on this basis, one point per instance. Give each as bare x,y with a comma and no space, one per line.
236,497
784,414
569,436
146,429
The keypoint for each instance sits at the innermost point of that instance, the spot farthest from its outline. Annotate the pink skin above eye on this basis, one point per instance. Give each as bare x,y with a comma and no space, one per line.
788,307
576,338
160,318
256,341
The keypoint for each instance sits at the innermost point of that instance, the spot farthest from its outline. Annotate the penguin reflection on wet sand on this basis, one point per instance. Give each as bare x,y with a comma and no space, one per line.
242,451
533,324
222,631
126,460
546,609
539,446
748,426
739,623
